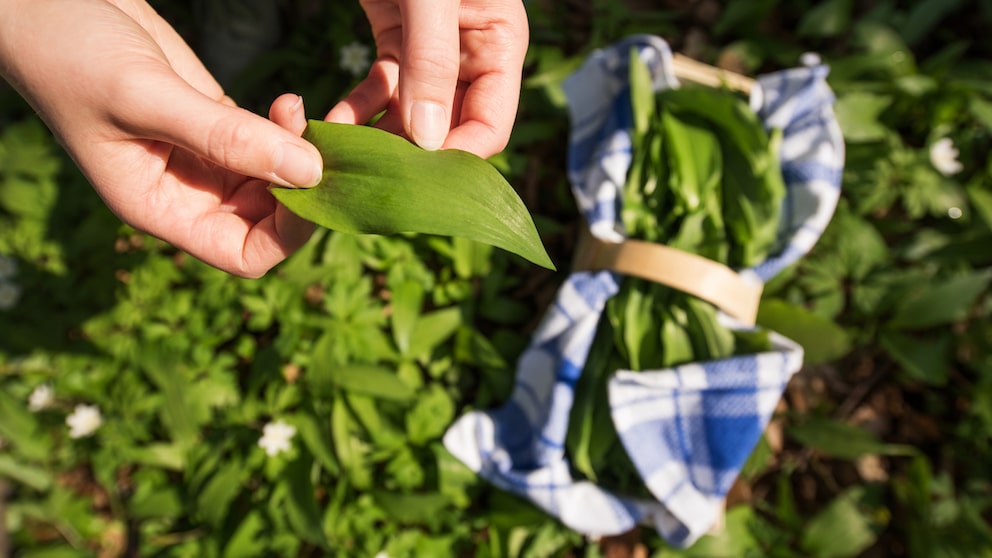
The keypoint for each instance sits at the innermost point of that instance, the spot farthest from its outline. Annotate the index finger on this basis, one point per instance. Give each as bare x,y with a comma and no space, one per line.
429,66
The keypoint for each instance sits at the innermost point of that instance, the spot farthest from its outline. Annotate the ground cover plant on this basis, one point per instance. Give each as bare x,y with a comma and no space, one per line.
153,406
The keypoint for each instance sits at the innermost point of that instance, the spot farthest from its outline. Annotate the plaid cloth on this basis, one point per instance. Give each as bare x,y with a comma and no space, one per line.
689,429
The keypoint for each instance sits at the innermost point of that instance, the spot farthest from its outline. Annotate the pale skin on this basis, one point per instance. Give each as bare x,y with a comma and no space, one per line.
171,155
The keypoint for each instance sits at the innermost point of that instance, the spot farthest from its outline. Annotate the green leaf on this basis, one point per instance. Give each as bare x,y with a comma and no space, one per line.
842,440
734,540
858,115
942,303
407,301
412,509
18,426
244,541
316,436
350,450
156,502
470,258
981,199
981,110
841,530
379,426
925,16
826,19
455,479
301,503
377,182
822,339
28,475
168,456
432,329
367,379
178,414
216,497
925,360
641,93
432,414
28,198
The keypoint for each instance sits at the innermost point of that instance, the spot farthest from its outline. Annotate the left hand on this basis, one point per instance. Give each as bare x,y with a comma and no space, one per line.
154,133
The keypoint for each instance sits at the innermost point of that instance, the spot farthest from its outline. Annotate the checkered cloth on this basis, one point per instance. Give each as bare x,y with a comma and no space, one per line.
688,429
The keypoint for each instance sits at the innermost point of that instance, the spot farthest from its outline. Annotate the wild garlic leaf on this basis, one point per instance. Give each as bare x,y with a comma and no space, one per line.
377,182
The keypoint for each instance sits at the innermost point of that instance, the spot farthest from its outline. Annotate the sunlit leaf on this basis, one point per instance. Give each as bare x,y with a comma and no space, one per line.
433,328
18,426
167,456
821,338
375,381
407,302
22,473
734,540
377,182
842,529
432,414
244,541
858,115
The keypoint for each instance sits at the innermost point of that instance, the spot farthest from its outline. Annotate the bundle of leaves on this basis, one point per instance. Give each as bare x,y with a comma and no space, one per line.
705,179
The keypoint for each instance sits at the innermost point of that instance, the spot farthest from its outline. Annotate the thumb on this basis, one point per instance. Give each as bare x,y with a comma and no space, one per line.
429,69
231,137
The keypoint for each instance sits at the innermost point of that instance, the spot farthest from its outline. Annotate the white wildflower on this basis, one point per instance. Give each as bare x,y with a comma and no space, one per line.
810,59
355,58
84,421
8,267
944,157
275,437
954,212
10,293
41,398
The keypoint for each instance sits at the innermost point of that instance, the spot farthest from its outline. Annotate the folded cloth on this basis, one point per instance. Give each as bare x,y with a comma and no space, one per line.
689,429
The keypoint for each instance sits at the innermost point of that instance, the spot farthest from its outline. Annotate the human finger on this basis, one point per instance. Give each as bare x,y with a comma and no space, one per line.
429,65
371,96
230,137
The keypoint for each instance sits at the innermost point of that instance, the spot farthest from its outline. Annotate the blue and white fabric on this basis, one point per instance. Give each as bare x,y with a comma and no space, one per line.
688,429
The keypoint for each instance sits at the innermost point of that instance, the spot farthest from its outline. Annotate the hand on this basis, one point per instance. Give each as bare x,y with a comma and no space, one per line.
447,73
154,133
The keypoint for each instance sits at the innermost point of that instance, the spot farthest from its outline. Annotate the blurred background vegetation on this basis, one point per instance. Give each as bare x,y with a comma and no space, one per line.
881,446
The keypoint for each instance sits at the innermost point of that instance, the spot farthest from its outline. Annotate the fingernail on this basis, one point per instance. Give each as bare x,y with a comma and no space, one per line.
297,105
298,166
428,124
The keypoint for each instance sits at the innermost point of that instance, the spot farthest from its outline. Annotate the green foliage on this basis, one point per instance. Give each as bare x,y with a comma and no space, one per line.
369,346
375,182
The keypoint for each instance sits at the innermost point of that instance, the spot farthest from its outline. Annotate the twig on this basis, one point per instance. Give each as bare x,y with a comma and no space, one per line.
861,392
688,69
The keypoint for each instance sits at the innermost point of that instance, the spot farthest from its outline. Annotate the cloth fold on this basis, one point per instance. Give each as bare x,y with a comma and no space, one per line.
688,429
